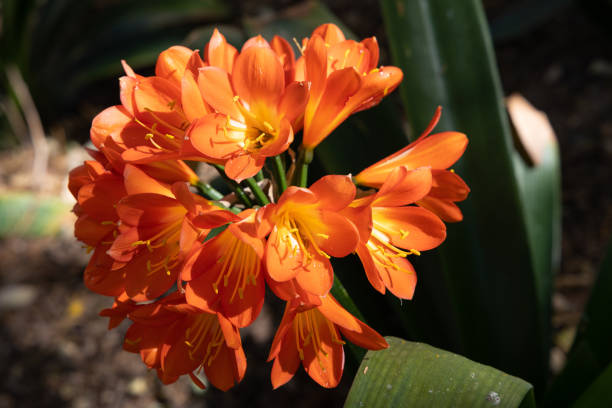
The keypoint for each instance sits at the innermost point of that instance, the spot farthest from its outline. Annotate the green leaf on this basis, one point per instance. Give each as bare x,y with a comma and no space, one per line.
411,374
487,274
598,394
591,354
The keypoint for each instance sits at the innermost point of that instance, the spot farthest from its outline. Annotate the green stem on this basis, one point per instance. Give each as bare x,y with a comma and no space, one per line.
300,178
259,176
208,191
342,296
234,186
279,174
259,194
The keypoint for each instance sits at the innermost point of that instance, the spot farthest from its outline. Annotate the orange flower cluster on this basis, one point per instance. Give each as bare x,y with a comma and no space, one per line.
189,267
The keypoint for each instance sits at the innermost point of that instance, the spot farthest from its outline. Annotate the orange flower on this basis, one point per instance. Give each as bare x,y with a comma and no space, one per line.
344,79
157,230
306,229
176,339
255,109
97,191
439,151
387,224
312,337
226,275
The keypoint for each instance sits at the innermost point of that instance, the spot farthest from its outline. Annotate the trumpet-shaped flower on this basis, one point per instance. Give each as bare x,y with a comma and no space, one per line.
306,230
177,339
226,273
98,191
311,336
390,230
255,110
344,79
439,151
157,231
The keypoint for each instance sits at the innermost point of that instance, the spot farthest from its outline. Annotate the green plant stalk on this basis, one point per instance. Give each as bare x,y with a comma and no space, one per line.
234,186
208,191
279,174
259,176
300,177
260,196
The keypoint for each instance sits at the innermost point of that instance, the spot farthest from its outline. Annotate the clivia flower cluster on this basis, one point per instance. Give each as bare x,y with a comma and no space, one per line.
189,267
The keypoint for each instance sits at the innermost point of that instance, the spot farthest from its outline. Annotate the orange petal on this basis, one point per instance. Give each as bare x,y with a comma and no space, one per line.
370,268
376,85
445,209
332,310
209,136
282,263
334,192
191,99
365,337
100,277
330,33
156,100
284,51
258,78
315,66
171,63
218,53
286,363
98,199
327,365
217,91
149,210
297,195
340,86
404,187
317,277
410,227
243,166
126,93
137,182
448,185
438,151
293,103
340,236
346,54
90,231
110,122
222,373
372,46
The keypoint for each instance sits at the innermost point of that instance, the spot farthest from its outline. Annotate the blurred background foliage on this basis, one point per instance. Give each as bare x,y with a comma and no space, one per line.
486,294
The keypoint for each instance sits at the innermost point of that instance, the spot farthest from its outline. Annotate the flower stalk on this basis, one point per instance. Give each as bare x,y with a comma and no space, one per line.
305,156
279,174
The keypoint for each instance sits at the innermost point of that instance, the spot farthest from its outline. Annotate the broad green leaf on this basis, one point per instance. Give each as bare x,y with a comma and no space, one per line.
591,354
26,214
598,394
411,374
488,273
